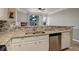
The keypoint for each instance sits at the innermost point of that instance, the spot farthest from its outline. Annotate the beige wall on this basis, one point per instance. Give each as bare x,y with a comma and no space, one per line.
68,17
22,16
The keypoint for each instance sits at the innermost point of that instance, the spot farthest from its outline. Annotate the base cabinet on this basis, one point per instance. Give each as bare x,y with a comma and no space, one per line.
39,43
66,40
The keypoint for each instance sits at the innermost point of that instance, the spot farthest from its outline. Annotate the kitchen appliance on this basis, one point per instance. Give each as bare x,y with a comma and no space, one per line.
55,42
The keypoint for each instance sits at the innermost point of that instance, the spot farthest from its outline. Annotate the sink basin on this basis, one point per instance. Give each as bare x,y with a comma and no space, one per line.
38,32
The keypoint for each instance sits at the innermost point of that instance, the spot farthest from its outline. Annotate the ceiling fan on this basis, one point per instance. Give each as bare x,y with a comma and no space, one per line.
41,9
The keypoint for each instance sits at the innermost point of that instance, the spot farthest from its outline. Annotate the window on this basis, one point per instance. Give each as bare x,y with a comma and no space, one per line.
34,19
44,20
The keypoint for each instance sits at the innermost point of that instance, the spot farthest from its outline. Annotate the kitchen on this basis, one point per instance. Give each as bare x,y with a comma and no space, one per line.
38,29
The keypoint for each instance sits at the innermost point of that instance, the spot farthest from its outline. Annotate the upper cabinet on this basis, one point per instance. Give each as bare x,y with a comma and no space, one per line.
3,13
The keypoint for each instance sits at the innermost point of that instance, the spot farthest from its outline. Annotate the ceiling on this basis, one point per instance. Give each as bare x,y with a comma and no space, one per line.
47,11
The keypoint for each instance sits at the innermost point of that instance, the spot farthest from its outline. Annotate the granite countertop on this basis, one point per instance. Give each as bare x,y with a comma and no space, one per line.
22,34
4,37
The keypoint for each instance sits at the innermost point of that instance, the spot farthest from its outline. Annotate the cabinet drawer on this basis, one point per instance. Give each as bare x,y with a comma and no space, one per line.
43,45
17,40
14,47
38,43
28,39
45,37
30,46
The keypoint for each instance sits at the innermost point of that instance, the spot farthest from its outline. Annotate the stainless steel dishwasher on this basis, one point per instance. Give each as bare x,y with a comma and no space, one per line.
55,42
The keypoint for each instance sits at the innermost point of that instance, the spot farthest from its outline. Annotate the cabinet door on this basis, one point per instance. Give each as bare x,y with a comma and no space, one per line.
43,43
29,44
17,40
16,47
27,39
3,13
39,43
66,40
15,44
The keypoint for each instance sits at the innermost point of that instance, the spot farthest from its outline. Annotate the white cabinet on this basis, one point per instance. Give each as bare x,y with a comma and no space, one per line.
29,44
66,40
14,44
39,43
43,43
36,43
3,13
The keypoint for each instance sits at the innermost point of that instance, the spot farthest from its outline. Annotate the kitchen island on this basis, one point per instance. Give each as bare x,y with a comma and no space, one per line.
19,40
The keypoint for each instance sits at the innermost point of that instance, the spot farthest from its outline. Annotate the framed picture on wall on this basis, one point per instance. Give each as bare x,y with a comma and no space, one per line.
12,15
